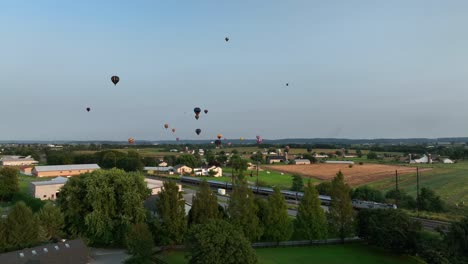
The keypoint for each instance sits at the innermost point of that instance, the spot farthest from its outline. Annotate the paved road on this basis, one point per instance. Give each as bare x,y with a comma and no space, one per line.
107,256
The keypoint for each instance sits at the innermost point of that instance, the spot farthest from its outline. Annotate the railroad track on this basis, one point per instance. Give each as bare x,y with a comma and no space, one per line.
433,225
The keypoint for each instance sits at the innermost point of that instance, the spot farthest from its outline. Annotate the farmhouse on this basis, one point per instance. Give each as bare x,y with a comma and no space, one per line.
301,161
275,159
17,161
71,251
47,190
182,169
159,170
63,170
218,171
26,170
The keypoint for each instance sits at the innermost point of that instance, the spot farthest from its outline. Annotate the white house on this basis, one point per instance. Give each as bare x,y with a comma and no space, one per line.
157,170
162,164
155,186
448,161
206,171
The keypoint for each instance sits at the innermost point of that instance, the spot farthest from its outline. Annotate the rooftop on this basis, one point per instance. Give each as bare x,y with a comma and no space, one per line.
58,180
67,167
72,251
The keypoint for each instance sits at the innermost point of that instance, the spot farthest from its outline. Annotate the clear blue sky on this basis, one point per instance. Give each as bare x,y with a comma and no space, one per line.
356,69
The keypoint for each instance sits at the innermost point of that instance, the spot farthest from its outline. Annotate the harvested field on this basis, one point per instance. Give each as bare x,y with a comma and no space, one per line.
357,175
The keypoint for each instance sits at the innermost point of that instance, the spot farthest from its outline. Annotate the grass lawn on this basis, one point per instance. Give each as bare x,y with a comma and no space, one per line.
272,179
450,181
330,254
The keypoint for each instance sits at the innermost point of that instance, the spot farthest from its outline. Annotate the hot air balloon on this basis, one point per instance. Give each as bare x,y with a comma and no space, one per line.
197,111
131,140
198,131
259,140
258,137
88,109
286,149
206,111
166,126
241,139
229,143
177,139
218,143
219,136
287,84
115,79
226,39
173,130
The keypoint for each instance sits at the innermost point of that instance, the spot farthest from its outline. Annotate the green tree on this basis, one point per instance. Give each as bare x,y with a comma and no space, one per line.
188,160
204,205
22,226
324,188
51,220
277,226
109,160
429,201
388,228
242,211
170,209
140,244
3,236
257,157
456,241
401,199
103,204
217,241
297,183
341,210
359,153
239,165
372,155
366,193
311,222
8,183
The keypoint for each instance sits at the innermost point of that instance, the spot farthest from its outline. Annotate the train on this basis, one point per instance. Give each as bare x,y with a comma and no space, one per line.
292,195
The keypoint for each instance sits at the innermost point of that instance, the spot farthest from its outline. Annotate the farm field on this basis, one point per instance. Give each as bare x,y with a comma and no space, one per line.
332,254
354,176
450,181
271,180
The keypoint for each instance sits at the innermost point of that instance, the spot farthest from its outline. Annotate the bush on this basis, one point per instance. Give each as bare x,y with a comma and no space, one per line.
361,163
350,166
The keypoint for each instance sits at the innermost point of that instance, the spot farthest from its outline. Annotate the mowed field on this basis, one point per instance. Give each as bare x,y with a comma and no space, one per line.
354,176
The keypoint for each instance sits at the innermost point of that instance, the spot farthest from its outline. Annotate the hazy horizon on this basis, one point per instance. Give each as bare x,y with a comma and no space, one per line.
355,70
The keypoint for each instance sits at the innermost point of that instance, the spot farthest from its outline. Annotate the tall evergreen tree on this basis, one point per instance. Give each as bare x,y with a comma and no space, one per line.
22,227
242,211
140,244
204,205
341,209
8,182
297,183
51,220
170,209
278,227
311,222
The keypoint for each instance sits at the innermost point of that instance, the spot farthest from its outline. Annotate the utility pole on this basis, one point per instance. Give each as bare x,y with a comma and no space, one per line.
396,180
417,188
257,174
